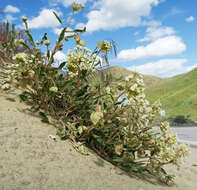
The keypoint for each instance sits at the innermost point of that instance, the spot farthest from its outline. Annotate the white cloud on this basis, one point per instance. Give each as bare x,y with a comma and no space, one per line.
67,3
57,30
113,14
163,68
136,33
9,18
11,9
80,25
46,19
170,45
154,33
59,57
190,19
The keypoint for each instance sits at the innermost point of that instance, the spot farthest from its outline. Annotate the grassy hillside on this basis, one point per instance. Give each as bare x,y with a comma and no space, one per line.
118,72
178,94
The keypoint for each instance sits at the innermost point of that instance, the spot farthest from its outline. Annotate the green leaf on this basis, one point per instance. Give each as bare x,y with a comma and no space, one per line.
163,171
118,159
62,65
13,36
25,45
120,102
44,117
78,102
35,107
7,30
30,38
3,74
61,36
23,97
72,36
80,30
48,54
135,169
58,18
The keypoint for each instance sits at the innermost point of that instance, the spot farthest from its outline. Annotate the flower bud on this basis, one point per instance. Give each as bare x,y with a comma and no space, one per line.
82,43
118,149
37,42
47,42
24,19
77,7
77,38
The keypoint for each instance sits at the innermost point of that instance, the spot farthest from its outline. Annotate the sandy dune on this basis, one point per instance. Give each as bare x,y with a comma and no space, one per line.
30,160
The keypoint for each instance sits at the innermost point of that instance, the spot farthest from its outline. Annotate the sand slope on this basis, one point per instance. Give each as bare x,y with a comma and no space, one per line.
29,160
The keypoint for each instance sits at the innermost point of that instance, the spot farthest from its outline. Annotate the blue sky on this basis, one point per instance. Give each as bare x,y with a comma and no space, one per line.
154,37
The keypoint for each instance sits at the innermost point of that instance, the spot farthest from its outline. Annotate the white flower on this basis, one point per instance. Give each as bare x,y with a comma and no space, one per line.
164,127
19,41
31,73
118,149
69,52
53,89
108,89
127,78
134,87
5,86
21,57
81,129
96,116
88,50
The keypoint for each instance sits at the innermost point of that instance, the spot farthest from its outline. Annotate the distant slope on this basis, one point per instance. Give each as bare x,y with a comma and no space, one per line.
178,94
118,72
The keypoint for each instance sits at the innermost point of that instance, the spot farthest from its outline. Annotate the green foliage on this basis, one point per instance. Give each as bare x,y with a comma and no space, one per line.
180,119
44,117
93,113
60,21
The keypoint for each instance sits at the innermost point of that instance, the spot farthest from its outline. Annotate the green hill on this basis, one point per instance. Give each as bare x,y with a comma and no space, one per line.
118,72
178,94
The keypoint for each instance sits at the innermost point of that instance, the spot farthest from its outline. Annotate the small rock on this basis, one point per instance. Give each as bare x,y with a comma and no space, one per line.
52,137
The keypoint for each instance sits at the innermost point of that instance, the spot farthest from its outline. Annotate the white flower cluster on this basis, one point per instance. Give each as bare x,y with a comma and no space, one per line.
5,86
80,59
22,67
53,89
137,133
20,57
19,42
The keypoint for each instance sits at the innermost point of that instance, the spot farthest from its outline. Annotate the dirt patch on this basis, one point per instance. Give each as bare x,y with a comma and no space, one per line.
30,160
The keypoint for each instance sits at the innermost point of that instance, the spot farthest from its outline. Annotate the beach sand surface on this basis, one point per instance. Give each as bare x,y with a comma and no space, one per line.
30,160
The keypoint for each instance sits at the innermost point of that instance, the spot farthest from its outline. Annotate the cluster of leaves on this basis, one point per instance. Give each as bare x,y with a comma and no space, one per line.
115,120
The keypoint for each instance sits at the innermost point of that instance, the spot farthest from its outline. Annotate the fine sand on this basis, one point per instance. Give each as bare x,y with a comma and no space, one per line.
30,160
